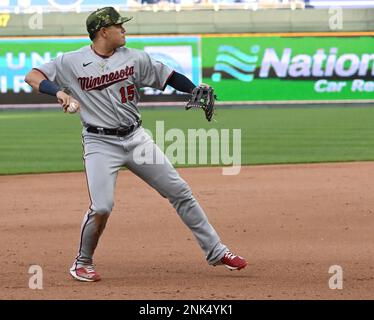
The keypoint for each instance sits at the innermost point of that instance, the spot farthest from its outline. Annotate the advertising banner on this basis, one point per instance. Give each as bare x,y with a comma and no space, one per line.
278,68
241,68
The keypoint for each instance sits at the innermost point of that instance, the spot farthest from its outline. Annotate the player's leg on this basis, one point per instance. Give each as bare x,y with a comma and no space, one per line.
163,177
102,162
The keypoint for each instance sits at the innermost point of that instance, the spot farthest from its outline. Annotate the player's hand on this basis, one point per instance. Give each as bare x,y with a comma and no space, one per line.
68,103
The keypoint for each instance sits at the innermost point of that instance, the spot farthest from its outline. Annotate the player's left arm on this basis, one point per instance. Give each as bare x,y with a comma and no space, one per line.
157,75
180,82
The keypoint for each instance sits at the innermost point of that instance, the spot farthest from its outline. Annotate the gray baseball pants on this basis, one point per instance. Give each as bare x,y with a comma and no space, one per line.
104,155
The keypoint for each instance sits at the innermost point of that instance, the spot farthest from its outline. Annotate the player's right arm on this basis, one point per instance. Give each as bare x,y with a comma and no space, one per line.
38,80
40,83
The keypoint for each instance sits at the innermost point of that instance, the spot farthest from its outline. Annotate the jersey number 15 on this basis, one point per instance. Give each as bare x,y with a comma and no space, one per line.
130,90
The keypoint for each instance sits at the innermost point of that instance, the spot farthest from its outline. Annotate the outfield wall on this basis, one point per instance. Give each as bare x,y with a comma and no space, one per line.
243,68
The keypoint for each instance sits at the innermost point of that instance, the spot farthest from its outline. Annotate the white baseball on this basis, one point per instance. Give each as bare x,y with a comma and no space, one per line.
73,107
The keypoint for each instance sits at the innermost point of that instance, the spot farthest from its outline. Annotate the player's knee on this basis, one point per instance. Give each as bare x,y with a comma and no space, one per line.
104,208
182,193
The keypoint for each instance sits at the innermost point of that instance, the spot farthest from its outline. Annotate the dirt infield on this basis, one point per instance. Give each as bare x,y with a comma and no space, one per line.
291,222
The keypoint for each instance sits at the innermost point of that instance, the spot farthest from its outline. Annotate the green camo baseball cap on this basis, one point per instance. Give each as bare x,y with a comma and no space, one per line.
104,17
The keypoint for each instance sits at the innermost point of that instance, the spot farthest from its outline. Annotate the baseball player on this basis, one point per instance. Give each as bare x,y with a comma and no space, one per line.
102,81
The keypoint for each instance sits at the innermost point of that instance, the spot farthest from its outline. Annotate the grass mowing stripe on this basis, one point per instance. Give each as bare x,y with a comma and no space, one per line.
50,141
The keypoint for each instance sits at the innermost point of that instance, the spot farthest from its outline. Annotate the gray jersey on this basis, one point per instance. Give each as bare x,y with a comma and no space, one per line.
107,87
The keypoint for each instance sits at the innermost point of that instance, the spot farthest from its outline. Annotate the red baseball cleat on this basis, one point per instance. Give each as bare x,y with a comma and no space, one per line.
87,274
232,261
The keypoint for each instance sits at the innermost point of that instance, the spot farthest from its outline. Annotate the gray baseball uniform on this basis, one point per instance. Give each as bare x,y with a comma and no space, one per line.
107,89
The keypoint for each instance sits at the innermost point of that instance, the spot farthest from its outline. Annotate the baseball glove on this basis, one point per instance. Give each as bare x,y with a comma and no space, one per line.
203,97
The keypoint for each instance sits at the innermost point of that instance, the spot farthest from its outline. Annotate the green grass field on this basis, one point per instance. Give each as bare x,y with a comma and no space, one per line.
50,141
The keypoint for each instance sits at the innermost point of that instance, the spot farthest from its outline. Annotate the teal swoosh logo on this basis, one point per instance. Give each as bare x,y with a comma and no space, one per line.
235,64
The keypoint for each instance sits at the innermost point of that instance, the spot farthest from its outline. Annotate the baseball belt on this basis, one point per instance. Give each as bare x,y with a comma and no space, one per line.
115,131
